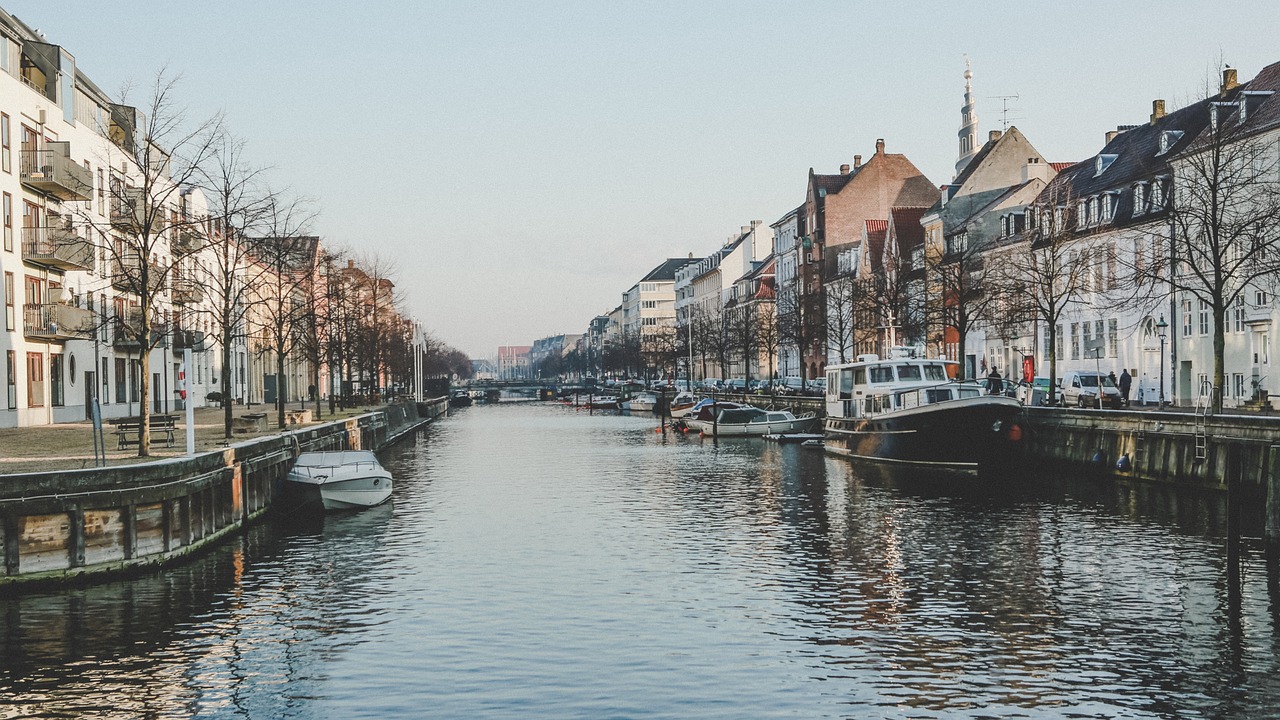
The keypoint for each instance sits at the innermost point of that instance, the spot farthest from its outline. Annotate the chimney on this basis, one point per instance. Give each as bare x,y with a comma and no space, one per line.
351,264
879,146
1111,135
1157,110
857,161
756,222
1228,79
844,169
993,135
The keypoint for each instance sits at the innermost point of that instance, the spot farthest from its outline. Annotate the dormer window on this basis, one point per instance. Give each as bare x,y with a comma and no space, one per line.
1139,199
1157,194
1250,100
1108,207
1168,139
1102,162
1028,219
1082,213
1004,226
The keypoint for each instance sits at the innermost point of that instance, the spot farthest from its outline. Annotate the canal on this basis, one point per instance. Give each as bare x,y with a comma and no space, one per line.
540,562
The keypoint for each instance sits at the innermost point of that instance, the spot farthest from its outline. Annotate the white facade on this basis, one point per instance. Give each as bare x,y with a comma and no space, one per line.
786,231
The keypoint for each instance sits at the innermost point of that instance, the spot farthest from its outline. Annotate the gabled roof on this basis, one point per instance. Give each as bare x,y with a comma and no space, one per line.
1060,166
667,270
908,233
873,244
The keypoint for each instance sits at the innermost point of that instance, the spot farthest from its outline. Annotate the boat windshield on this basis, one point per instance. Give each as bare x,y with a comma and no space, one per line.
935,372
881,374
908,372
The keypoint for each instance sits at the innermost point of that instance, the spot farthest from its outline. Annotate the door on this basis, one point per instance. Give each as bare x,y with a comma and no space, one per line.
1184,383
269,389
156,399
90,392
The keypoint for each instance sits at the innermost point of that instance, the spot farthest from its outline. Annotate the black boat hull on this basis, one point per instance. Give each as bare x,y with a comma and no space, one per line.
977,436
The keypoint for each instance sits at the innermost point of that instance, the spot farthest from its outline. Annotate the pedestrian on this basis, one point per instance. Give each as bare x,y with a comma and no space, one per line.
1126,382
993,382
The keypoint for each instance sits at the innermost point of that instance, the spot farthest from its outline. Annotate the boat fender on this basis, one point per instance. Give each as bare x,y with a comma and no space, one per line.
1098,458
1015,432
1123,464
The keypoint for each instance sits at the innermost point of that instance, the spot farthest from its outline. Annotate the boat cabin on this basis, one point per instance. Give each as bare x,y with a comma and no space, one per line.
872,386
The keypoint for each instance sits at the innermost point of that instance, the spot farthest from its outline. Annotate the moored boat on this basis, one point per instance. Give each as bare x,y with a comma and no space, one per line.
682,404
601,402
754,422
905,411
339,480
644,402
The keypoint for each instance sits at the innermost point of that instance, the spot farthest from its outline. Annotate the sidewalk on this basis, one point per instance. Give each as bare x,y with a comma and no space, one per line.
69,446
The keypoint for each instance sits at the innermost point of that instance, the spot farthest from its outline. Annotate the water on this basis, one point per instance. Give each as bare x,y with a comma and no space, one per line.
538,562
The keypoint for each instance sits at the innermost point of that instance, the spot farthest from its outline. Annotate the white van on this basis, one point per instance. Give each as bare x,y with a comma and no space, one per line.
1080,388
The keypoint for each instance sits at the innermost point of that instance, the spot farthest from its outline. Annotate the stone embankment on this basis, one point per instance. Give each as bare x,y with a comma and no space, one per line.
69,525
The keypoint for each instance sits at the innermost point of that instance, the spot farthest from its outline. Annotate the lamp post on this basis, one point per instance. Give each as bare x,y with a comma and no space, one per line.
1161,330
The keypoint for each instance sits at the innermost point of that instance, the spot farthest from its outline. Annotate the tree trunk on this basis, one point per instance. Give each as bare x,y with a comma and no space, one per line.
226,384
280,389
144,392
1219,354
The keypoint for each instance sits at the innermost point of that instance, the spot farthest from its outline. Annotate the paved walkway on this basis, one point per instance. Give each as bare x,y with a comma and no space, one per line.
69,446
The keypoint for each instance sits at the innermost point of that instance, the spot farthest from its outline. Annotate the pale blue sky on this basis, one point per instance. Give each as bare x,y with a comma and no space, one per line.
528,162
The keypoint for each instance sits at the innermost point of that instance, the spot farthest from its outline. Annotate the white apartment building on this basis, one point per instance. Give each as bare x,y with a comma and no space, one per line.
786,253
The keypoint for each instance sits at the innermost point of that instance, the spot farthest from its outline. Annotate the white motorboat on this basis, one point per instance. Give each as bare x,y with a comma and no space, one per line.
340,480
752,421
644,402
682,404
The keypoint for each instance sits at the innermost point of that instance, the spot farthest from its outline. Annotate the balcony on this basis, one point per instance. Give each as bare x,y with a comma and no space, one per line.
127,211
185,242
126,275
187,291
188,340
55,321
125,332
56,247
53,172
1257,314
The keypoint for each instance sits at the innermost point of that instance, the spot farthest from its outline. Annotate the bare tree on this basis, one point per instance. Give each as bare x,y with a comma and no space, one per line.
156,156
766,330
284,268
961,288
1224,218
801,321
238,204
1041,276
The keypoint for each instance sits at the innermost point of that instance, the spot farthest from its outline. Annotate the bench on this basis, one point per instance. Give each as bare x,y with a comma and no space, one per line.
128,430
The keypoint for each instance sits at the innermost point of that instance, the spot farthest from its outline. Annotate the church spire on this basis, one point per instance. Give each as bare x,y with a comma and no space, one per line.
968,123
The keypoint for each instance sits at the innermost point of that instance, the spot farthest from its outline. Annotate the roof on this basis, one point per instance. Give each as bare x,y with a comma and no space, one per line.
874,236
1060,166
908,233
667,270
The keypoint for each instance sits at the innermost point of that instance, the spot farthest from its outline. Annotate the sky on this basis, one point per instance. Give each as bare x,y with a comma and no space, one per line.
524,163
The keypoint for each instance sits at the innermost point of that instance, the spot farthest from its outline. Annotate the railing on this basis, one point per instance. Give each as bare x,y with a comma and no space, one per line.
184,339
126,275
187,291
876,404
52,171
127,208
185,242
56,247
55,321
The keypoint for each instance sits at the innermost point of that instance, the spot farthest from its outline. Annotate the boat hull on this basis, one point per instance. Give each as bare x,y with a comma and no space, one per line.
755,429
975,436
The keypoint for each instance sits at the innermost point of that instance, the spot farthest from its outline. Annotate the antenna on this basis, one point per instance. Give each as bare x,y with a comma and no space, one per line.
1005,109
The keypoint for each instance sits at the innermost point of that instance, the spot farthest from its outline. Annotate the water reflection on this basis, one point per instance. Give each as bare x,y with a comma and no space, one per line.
541,562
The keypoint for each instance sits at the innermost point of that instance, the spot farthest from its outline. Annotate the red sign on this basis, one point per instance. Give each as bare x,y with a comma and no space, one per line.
1029,369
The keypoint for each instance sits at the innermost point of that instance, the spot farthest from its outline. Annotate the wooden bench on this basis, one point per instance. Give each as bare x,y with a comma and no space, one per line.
128,430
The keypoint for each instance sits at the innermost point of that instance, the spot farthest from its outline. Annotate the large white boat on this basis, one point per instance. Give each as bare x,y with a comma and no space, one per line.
340,480
906,411
752,421
643,402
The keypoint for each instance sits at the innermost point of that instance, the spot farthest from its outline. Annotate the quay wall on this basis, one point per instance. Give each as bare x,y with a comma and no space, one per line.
73,525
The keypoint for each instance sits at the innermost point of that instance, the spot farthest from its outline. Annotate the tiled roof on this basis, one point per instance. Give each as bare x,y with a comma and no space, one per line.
874,246
667,270
907,230
875,225
1060,166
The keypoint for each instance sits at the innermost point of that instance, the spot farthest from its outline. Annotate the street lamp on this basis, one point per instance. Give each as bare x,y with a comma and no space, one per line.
1161,329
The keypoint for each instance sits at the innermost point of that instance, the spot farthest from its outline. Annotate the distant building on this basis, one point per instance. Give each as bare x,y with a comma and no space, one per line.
513,362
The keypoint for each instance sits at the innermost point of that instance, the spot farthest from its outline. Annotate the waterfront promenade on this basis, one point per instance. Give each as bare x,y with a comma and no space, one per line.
69,446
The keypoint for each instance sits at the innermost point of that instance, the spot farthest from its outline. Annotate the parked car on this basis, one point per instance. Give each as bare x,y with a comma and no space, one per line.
712,384
790,385
1037,393
758,386
736,385
1081,387
817,387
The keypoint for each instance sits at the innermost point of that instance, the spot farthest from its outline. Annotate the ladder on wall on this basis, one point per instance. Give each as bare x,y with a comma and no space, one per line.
1204,406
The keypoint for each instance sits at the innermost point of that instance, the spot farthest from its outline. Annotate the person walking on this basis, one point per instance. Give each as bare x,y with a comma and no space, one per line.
1126,382
994,384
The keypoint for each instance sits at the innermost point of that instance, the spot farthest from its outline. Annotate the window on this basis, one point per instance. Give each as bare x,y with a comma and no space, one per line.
1237,312
1108,208
121,381
102,194
6,145
1139,200
1204,318
881,374
105,397
1112,281
1061,340
135,385
908,372
7,210
1157,195
1075,341
11,375
1238,382
8,301
55,380
1186,318
1113,337
650,322
35,379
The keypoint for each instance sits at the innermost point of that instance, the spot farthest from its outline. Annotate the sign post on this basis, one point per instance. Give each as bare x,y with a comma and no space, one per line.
184,376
